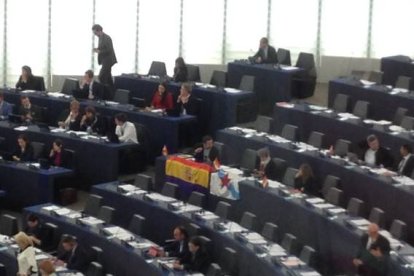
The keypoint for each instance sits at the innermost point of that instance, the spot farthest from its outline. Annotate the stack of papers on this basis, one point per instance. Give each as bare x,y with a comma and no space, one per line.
91,221
278,139
127,187
347,116
62,211
404,180
276,250
111,103
232,90
285,105
288,68
317,107
310,273
21,128
292,261
56,94
158,197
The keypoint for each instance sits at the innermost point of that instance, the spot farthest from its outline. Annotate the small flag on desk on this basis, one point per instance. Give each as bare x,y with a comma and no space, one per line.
265,182
216,164
164,150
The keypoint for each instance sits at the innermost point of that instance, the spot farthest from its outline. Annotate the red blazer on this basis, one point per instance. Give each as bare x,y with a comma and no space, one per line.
158,103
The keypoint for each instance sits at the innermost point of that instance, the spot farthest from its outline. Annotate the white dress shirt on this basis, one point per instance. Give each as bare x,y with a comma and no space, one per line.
403,162
126,132
27,261
370,157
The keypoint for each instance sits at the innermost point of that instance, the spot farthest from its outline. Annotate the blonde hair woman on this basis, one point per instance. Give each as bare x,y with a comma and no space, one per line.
26,258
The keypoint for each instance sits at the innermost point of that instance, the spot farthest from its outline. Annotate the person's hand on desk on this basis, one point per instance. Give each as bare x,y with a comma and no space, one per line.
96,50
61,124
357,262
198,150
258,60
35,240
15,158
178,266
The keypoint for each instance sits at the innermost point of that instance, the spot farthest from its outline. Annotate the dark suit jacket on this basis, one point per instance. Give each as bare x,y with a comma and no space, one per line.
98,125
35,111
214,153
27,155
373,266
270,170
271,55
408,166
199,262
75,125
382,242
191,106
7,109
79,260
64,159
106,55
382,157
180,74
173,249
31,84
311,187
97,91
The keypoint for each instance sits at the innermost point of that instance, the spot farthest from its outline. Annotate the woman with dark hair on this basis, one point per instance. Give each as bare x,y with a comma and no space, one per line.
57,156
305,181
26,80
162,99
180,70
198,260
24,151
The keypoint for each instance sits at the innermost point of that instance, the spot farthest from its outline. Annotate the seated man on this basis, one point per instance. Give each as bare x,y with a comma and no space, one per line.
29,112
125,130
74,255
266,53
92,122
373,254
35,230
265,165
375,155
197,261
206,152
89,88
178,247
5,108
70,119
406,165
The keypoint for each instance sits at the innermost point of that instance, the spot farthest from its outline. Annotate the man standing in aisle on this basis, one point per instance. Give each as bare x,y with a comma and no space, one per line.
106,55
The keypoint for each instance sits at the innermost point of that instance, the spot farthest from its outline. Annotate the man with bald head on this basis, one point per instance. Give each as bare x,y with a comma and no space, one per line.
372,258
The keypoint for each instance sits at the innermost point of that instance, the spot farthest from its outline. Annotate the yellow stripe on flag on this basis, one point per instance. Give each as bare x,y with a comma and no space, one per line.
188,171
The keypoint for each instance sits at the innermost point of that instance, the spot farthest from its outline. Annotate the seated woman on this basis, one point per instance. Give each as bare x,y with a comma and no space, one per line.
180,70
305,181
26,258
162,99
57,156
186,104
24,151
26,80
197,261
70,119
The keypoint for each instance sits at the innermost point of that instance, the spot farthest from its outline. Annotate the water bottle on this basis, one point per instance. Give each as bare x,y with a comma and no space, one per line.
89,130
